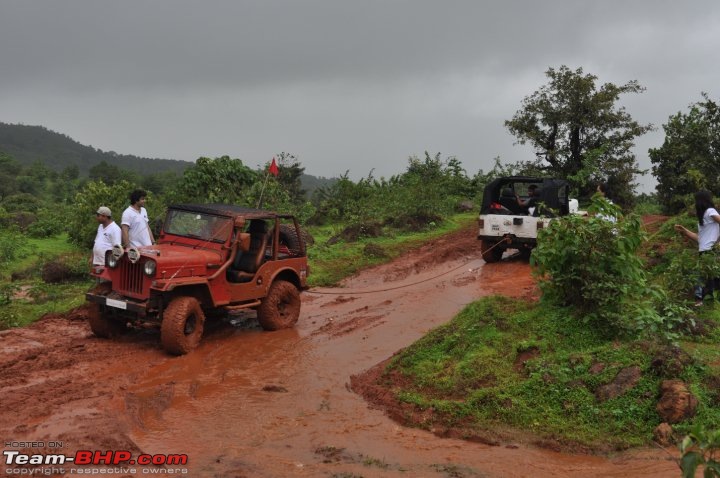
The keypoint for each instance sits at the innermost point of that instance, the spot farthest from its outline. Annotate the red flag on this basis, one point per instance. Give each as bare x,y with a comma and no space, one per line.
273,169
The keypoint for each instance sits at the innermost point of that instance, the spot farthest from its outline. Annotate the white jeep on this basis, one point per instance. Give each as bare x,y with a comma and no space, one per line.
515,208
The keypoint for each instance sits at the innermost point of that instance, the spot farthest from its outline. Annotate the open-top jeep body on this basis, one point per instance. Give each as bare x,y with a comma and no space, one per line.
505,224
208,258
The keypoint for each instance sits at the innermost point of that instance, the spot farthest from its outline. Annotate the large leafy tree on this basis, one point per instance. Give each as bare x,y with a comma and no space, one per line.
290,173
221,180
579,132
689,158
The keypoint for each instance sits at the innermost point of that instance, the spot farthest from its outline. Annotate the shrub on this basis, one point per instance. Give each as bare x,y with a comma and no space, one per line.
48,224
12,246
65,268
82,225
591,264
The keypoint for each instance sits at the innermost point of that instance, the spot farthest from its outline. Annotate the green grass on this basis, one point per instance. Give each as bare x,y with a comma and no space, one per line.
44,299
331,263
46,247
464,371
26,300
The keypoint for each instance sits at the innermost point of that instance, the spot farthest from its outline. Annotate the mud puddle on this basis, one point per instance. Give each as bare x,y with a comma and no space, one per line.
249,403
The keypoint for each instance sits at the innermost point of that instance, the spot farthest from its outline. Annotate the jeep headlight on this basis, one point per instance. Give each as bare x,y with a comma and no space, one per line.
150,267
112,261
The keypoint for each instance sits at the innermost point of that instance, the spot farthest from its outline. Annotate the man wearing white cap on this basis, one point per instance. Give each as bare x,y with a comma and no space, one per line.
108,235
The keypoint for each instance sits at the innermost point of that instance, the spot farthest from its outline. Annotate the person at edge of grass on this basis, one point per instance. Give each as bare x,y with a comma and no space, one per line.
706,237
135,223
108,235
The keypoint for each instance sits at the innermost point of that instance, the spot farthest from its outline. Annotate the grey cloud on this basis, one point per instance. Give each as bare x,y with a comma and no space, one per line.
344,84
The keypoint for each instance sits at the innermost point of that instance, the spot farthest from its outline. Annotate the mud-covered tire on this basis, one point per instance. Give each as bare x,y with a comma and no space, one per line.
182,325
101,325
490,254
280,309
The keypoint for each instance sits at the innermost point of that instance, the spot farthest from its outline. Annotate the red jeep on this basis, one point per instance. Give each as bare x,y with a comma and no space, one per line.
209,257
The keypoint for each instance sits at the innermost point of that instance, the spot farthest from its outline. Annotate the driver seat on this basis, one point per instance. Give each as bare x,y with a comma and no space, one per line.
509,201
246,264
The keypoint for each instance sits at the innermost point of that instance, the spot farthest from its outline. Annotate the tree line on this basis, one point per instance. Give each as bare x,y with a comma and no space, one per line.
578,131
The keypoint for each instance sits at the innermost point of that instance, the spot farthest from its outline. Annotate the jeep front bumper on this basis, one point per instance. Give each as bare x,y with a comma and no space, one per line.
119,305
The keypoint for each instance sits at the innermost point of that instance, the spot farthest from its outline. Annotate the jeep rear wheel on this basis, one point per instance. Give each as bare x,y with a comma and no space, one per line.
100,324
182,325
491,251
280,309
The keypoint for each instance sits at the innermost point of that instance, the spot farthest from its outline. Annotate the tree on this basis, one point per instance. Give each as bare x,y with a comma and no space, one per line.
82,225
220,180
111,174
289,175
9,169
689,158
578,131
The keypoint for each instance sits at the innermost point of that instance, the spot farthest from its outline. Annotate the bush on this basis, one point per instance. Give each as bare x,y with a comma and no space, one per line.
65,268
48,223
428,191
13,245
82,225
591,264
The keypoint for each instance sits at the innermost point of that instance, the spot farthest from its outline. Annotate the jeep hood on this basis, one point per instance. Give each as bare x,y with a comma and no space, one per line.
175,257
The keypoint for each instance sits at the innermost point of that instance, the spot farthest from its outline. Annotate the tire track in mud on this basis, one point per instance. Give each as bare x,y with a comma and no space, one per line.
252,403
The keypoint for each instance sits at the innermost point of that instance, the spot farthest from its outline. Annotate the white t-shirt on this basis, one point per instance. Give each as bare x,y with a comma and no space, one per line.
607,217
708,231
106,238
139,228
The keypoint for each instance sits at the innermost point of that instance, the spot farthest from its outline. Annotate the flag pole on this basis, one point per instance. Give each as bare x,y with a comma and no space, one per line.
262,191
272,169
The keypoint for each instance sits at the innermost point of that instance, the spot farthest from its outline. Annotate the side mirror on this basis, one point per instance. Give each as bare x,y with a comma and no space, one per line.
244,241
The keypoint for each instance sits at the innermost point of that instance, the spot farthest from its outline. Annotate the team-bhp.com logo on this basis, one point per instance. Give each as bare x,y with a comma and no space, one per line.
120,458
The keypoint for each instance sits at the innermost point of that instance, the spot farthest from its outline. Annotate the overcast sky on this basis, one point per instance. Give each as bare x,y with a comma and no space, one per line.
343,85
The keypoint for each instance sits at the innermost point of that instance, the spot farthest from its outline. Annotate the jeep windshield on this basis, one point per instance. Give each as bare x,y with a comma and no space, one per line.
196,225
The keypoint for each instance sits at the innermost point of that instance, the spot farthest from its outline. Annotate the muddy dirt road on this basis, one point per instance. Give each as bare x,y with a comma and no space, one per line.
249,403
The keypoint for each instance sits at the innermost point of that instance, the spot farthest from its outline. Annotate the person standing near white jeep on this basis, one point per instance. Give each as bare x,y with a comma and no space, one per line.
135,223
108,235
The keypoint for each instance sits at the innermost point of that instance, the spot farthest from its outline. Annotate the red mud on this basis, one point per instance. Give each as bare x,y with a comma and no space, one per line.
250,403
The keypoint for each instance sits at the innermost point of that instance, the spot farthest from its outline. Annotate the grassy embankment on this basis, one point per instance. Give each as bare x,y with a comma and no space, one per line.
28,298
505,364
331,263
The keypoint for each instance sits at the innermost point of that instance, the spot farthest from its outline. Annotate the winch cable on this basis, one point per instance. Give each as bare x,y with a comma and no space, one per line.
350,292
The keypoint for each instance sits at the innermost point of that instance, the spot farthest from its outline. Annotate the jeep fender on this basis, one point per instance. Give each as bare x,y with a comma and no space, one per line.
287,274
198,288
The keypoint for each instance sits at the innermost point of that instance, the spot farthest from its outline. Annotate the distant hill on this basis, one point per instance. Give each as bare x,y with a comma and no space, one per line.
310,183
28,144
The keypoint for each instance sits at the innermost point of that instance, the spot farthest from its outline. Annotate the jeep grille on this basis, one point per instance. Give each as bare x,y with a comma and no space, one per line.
131,277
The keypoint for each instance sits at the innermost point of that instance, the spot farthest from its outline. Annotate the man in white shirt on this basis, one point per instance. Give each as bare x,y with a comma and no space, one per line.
108,235
135,223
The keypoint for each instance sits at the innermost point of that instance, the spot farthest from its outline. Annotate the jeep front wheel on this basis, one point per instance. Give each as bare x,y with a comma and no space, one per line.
103,326
182,325
100,324
280,309
491,251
